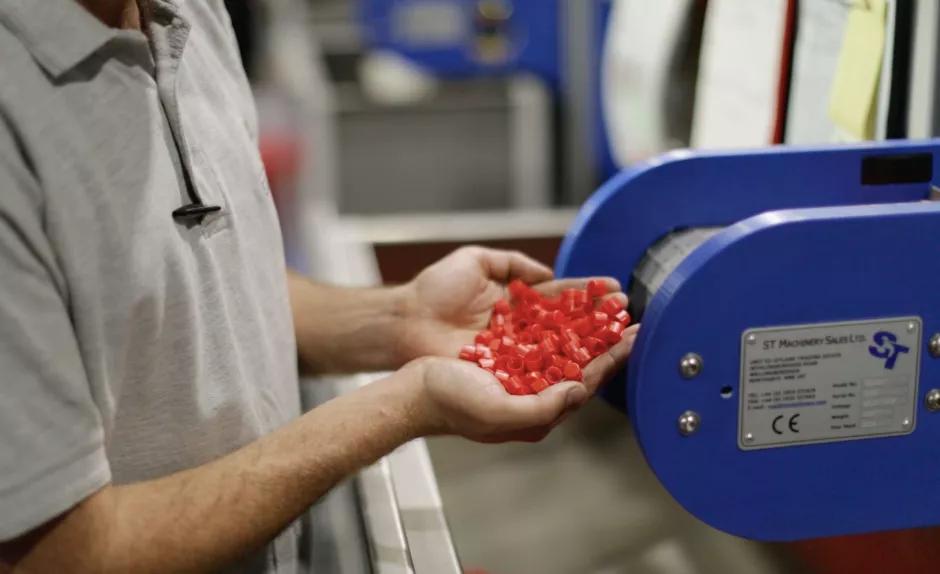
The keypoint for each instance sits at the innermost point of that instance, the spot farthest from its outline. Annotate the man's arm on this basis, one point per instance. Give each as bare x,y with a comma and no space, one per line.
203,519
342,330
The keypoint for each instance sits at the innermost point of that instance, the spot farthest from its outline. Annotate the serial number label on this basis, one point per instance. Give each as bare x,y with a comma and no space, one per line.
814,383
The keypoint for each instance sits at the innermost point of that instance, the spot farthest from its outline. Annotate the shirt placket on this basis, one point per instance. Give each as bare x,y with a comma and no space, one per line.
169,38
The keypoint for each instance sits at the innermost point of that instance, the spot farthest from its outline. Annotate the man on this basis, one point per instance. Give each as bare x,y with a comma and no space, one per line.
149,331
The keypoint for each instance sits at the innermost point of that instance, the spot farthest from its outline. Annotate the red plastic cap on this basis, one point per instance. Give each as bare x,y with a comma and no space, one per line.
515,365
572,371
595,346
468,353
553,374
516,386
611,306
502,307
538,384
596,288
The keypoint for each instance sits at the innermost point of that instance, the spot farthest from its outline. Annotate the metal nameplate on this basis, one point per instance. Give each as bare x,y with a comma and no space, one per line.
827,382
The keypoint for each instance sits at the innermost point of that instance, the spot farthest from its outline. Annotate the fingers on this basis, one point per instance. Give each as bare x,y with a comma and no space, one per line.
542,410
607,364
505,266
554,288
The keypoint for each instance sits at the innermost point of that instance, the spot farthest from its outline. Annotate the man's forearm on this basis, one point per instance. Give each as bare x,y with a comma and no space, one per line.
202,519
341,330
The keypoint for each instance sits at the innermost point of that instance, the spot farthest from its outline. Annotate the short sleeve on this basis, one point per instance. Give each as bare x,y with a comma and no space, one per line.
51,437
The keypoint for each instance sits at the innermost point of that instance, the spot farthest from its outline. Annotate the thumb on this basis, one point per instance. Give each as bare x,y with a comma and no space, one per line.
568,395
544,408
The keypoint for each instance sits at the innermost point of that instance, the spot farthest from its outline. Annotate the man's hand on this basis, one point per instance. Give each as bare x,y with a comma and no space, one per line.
450,301
463,399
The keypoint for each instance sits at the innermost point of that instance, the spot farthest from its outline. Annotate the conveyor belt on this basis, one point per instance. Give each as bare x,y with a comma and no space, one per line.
660,260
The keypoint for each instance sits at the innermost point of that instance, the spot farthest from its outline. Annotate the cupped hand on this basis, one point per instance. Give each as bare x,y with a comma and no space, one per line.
460,398
450,301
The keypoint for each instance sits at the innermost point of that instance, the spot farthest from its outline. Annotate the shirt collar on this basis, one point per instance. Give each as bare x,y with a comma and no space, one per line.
60,34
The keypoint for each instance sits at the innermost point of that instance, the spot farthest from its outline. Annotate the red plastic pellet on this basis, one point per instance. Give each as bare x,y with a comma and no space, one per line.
549,346
570,350
582,326
550,338
531,297
572,371
515,365
517,288
502,307
568,294
569,336
596,288
582,356
611,306
553,375
484,337
523,350
538,383
595,346
516,386
533,361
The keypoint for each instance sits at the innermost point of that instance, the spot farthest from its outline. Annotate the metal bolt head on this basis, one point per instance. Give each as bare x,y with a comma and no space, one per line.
932,400
911,327
689,422
751,339
690,366
934,346
749,438
906,423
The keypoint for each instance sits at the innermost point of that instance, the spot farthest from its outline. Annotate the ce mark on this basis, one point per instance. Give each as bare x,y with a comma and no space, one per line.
791,423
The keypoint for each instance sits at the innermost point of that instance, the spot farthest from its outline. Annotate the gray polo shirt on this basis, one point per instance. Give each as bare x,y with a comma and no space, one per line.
132,344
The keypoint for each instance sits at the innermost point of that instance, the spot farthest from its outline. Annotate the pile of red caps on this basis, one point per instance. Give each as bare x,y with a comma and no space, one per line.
535,341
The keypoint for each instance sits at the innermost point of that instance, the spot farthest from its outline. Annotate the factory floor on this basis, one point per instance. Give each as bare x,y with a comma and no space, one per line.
581,502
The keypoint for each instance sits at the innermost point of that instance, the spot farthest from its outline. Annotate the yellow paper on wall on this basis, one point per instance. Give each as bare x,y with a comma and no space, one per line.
855,88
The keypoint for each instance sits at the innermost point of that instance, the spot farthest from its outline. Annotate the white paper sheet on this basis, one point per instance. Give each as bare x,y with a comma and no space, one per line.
820,28
739,73
642,38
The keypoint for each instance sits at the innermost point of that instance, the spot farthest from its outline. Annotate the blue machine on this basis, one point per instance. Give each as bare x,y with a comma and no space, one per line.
470,38
782,386
463,38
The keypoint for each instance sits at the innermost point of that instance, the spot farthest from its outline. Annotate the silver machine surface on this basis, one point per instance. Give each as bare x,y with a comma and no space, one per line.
660,260
816,383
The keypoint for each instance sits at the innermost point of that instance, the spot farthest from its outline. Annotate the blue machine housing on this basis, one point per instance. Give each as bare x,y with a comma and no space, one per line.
806,240
534,37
